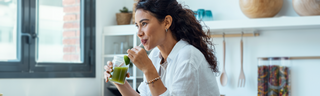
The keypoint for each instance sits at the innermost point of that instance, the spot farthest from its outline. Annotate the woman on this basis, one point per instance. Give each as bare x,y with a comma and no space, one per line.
181,63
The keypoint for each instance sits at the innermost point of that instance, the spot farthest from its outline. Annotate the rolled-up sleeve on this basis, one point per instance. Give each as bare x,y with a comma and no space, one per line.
186,81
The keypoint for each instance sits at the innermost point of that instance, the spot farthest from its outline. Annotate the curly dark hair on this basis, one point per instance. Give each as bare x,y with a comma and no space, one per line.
184,26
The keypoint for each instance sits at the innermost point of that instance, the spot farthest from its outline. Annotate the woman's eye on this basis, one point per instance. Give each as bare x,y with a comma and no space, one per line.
144,23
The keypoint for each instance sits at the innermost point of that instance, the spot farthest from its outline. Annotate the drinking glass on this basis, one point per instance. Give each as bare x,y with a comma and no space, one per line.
195,14
200,14
116,48
120,69
123,47
208,16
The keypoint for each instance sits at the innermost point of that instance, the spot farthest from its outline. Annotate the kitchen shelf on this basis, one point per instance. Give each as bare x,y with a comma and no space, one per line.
137,77
112,55
306,57
235,35
130,78
119,30
251,25
298,57
263,24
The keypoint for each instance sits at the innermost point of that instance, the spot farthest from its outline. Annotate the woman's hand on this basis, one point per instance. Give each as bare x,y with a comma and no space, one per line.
108,69
139,57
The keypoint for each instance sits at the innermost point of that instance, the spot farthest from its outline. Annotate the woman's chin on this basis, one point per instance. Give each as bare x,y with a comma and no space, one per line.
147,48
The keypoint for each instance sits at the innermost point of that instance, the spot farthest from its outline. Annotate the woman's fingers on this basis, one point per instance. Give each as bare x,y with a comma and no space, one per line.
134,49
131,54
130,51
108,67
110,64
128,75
131,57
137,48
106,76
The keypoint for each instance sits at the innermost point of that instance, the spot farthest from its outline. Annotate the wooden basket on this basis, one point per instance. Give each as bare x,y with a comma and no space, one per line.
123,18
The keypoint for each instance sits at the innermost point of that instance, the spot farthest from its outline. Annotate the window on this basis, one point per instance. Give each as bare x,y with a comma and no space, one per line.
47,38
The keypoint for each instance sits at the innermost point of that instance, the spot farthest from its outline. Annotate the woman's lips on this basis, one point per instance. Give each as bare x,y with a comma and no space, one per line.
144,41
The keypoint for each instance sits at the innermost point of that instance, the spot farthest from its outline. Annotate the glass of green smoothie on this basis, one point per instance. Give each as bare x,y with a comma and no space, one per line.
120,69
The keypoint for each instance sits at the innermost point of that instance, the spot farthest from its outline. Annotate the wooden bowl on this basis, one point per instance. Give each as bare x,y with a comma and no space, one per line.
260,8
306,7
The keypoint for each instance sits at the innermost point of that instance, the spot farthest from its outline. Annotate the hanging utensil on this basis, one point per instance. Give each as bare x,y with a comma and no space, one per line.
242,78
223,77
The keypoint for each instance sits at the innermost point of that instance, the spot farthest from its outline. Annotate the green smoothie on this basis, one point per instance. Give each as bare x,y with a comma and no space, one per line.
119,75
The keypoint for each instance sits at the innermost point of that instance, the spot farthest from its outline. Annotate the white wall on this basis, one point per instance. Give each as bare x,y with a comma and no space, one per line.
50,87
271,44
304,42
230,9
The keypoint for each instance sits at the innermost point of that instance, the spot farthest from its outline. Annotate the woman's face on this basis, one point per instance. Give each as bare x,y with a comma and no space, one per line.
150,30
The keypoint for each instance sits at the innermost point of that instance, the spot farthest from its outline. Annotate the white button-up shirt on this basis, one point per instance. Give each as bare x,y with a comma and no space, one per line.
187,74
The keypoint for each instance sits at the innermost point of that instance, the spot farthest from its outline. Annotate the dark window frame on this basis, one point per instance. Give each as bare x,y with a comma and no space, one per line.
27,67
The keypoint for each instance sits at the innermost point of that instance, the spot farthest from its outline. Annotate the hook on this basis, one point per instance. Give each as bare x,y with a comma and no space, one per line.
223,35
241,35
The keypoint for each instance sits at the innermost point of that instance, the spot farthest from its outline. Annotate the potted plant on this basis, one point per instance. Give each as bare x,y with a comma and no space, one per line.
124,17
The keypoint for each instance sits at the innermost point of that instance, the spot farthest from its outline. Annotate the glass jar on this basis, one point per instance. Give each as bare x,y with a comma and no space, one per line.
274,76
120,69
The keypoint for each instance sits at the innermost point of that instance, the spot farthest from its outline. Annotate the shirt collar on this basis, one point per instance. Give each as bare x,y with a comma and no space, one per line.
179,45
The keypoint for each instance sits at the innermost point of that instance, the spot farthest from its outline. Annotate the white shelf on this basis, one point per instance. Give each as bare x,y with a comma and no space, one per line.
138,77
120,30
112,55
262,24
130,78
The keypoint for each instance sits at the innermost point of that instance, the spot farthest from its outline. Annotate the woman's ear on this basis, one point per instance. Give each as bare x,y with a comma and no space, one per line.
168,21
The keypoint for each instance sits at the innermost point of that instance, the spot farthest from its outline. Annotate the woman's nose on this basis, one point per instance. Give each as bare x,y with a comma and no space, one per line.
140,33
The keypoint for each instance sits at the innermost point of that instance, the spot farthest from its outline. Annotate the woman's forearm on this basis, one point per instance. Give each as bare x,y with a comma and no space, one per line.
157,87
126,89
